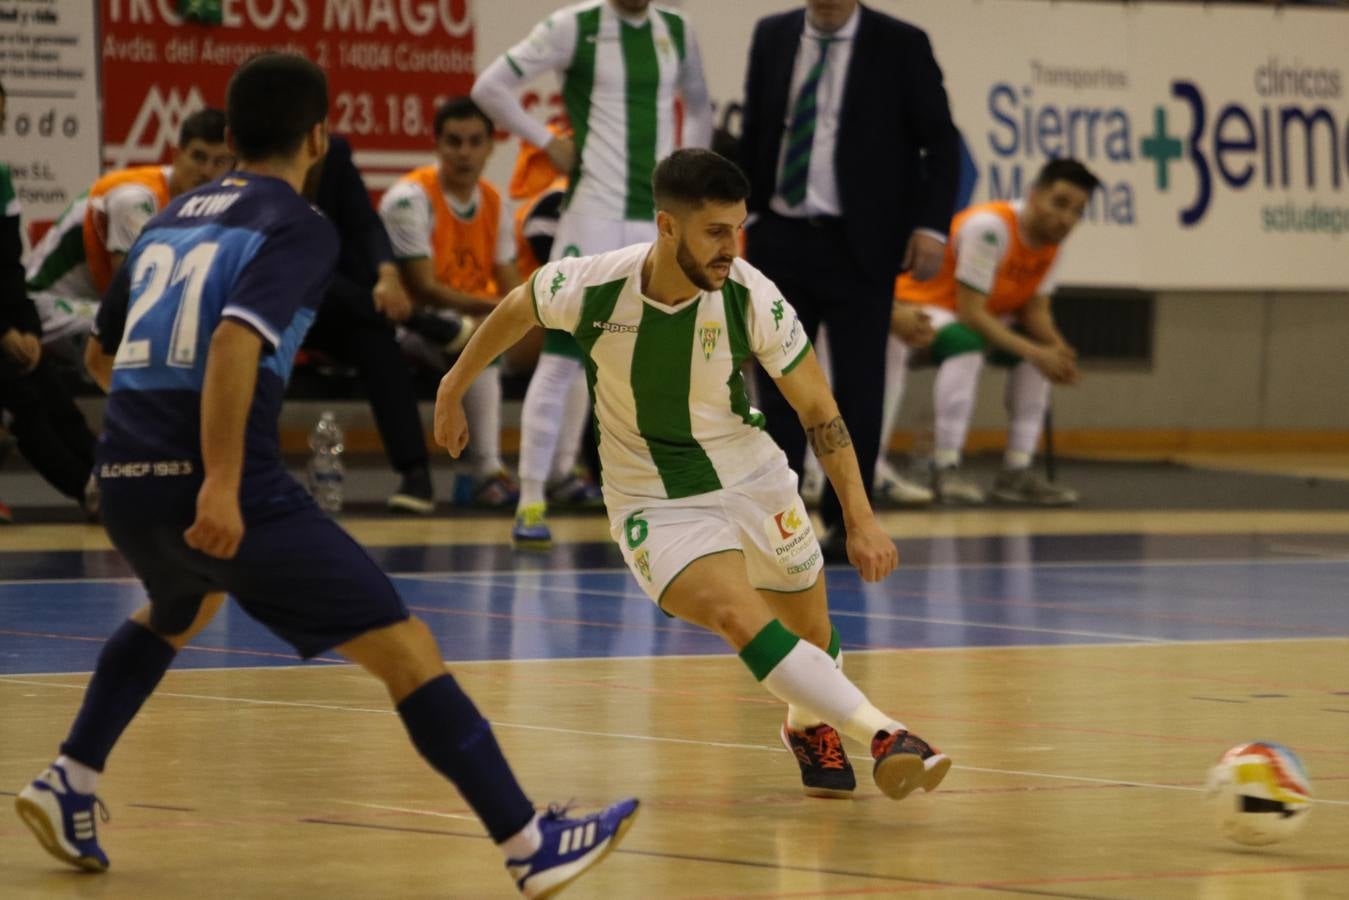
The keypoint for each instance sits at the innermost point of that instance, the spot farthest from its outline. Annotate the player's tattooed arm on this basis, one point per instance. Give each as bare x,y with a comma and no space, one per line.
832,435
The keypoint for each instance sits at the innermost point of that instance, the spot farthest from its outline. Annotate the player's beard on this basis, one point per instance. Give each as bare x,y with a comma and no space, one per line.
695,271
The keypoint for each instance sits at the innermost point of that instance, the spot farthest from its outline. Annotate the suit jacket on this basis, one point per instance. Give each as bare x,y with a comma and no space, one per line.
897,158
341,194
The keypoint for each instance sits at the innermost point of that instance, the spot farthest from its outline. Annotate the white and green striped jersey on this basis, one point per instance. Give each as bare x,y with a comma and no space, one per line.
619,77
9,200
672,414
57,265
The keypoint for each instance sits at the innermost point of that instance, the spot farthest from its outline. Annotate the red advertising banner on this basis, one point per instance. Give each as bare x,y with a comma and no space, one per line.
389,64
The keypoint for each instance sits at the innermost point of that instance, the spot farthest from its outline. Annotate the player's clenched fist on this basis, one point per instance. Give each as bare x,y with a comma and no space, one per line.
219,526
451,426
871,551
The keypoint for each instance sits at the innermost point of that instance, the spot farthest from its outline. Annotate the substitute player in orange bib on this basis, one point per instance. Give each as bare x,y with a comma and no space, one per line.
992,298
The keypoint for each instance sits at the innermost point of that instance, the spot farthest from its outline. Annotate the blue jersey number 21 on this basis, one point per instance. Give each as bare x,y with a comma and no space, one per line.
159,273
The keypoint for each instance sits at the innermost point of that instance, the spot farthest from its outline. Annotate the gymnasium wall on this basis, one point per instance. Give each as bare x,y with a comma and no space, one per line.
1235,349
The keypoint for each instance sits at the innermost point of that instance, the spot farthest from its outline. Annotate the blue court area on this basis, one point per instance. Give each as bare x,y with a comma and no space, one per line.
483,603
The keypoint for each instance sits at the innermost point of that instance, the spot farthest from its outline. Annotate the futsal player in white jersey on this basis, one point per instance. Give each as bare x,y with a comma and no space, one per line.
701,501
620,64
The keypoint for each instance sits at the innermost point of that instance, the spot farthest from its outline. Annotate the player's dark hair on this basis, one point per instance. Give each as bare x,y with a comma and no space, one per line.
272,102
458,108
693,176
203,125
1069,170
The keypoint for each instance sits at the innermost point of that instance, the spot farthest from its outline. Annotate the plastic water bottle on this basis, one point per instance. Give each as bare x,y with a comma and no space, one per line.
325,465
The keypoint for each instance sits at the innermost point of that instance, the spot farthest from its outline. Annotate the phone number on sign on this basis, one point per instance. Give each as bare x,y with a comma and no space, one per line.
362,113
374,56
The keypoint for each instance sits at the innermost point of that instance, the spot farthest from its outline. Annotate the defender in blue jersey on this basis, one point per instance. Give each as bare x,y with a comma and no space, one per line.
194,345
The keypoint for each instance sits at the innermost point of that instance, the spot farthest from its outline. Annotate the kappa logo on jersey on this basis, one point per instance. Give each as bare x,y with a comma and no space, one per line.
778,311
991,238
614,327
788,522
558,280
710,333
155,128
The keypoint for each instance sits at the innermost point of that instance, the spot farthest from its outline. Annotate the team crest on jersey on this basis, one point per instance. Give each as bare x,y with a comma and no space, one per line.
788,522
710,334
642,560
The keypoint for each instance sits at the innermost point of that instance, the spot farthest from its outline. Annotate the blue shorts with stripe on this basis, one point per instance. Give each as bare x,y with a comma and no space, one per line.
297,572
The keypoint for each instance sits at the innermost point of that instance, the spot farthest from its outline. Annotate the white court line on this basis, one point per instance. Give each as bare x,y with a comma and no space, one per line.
248,701
618,570
1140,638
404,809
318,665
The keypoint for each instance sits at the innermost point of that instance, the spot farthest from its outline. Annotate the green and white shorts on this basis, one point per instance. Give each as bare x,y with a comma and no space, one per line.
763,517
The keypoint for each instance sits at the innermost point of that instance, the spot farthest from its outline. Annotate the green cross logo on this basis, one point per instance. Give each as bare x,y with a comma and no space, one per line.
777,314
558,280
1162,149
990,238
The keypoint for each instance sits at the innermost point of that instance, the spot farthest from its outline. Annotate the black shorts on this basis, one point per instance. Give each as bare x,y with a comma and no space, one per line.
297,572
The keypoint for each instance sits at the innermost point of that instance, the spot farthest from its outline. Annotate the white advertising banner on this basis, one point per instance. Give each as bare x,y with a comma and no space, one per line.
1221,131
49,66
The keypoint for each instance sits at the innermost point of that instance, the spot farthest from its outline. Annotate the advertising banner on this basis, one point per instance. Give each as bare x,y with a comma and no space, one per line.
389,63
49,66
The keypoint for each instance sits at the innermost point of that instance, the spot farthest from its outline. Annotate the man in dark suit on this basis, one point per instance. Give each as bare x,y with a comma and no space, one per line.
853,162
355,324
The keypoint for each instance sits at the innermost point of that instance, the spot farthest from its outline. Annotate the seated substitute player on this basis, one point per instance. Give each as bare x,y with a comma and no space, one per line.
72,266
992,297
454,243
195,341
700,499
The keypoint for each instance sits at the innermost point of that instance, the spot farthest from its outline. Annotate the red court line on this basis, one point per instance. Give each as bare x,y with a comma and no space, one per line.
1028,882
1112,612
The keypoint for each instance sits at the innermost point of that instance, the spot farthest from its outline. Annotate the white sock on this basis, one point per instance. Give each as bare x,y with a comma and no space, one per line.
953,396
896,370
1027,399
532,491
806,677
797,718
946,459
575,419
482,408
82,778
541,416
524,843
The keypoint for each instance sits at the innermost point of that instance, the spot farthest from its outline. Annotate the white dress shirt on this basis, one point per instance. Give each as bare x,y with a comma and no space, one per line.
822,183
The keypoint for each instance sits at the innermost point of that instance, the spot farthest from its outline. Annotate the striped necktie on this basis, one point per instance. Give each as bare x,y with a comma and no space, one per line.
801,132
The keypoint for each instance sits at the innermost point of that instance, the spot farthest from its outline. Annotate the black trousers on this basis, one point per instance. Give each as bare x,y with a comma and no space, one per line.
48,427
818,274
366,341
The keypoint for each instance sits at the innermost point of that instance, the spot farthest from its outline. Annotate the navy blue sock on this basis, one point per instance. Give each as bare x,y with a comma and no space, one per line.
457,741
130,666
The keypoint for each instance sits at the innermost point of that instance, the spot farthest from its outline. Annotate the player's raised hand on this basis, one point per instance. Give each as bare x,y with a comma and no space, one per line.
451,426
219,526
871,551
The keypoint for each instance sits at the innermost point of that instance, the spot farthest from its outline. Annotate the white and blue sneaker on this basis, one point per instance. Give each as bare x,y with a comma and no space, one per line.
63,819
570,847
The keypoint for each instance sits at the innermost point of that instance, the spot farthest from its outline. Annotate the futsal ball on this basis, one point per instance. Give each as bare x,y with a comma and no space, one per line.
1261,793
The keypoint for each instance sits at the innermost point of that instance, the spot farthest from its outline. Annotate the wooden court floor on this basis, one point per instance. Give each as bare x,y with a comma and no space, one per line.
1082,700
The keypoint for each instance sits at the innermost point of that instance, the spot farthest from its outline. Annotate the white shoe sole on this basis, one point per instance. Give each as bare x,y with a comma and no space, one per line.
409,503
39,821
900,775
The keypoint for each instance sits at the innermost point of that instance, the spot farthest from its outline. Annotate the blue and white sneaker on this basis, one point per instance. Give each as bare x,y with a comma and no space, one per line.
570,847
63,820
